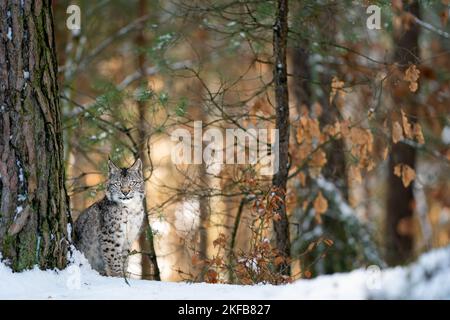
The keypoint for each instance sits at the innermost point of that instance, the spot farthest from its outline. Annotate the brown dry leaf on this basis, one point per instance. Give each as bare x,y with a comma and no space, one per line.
413,86
408,175
211,276
328,242
196,260
309,129
305,204
336,85
385,153
304,150
278,260
300,135
302,178
261,105
308,274
319,159
337,128
304,120
412,75
370,165
358,135
217,261
397,132
276,217
314,128
320,203
354,174
317,109
418,133
407,129
220,241
311,247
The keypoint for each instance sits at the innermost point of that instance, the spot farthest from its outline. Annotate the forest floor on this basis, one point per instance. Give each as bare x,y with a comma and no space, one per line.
428,278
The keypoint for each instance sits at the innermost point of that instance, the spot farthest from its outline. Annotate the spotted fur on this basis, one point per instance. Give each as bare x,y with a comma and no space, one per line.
105,231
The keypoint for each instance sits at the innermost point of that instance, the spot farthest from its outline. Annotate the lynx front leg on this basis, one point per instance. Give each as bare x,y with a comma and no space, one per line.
112,257
115,264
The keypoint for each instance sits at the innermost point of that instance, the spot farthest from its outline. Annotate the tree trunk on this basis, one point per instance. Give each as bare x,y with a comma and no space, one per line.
34,211
149,262
280,35
399,246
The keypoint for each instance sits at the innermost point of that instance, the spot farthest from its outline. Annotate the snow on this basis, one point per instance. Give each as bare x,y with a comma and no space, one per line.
9,35
428,278
446,135
69,231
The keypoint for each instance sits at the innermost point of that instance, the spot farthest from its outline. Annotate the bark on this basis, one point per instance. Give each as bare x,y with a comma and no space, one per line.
149,263
301,77
399,247
34,211
279,181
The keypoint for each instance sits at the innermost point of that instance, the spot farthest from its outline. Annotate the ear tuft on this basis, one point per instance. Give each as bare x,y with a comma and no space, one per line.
137,165
112,167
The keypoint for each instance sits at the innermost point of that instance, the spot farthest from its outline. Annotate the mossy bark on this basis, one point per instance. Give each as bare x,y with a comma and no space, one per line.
34,211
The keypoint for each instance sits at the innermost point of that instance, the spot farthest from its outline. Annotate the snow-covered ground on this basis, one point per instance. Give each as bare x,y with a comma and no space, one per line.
428,278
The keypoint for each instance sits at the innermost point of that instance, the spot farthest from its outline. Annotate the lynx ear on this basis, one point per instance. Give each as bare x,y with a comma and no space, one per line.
112,167
137,165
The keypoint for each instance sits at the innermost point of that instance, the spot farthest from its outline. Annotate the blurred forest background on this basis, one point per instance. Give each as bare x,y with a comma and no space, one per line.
367,155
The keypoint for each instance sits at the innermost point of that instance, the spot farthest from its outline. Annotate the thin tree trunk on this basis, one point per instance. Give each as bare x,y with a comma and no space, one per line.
34,211
149,263
280,35
198,112
400,246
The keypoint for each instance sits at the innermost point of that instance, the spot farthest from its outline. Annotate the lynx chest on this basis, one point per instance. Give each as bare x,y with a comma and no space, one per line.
132,222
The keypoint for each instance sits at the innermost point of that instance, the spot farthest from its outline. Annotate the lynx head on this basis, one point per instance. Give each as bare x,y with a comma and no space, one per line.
125,185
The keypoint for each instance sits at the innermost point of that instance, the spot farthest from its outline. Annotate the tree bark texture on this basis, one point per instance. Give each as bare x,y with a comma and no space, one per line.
34,211
279,182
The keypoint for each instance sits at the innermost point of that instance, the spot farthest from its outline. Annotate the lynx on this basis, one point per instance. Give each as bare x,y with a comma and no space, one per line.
105,231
